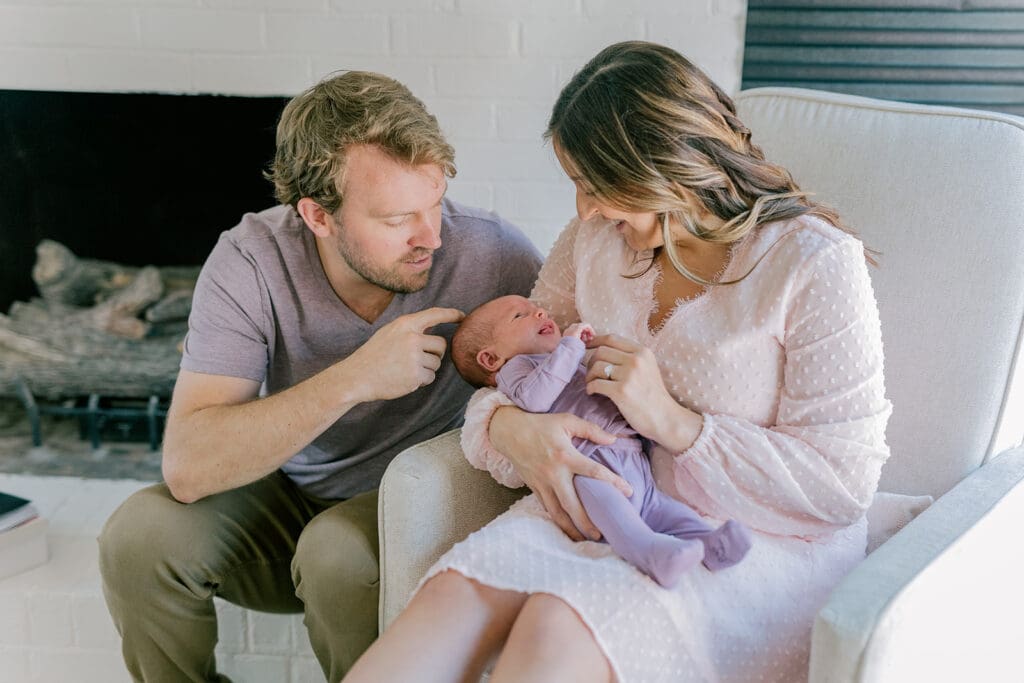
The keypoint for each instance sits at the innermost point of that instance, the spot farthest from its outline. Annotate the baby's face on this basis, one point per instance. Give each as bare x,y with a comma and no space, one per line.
519,326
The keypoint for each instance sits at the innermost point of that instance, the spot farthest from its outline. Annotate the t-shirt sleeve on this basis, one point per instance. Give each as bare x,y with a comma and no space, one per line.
520,261
227,328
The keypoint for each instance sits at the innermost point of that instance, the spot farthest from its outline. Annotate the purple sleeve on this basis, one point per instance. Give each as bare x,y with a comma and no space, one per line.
535,386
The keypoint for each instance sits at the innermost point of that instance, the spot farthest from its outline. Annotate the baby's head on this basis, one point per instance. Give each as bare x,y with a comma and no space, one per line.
497,330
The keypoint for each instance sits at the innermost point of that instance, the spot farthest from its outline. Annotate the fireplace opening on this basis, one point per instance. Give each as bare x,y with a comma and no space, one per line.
130,179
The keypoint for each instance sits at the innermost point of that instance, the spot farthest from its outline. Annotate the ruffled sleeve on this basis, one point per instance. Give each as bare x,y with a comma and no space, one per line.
555,290
817,468
477,446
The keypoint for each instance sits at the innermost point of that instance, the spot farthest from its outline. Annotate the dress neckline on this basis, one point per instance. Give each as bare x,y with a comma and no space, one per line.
653,277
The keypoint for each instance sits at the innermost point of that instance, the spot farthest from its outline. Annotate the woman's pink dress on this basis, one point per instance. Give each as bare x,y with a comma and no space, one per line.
786,368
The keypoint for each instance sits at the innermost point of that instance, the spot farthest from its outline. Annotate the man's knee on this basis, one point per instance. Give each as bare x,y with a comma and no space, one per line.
338,550
147,530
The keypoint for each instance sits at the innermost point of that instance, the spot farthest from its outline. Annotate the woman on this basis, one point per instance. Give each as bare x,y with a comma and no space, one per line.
739,334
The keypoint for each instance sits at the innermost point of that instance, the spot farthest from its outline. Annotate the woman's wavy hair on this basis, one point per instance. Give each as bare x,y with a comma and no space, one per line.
642,126
318,126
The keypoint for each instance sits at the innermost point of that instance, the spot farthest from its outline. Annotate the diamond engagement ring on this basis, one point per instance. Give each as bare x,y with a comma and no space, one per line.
608,371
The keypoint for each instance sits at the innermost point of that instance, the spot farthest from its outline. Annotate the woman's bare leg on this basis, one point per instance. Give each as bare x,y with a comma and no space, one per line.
448,632
550,643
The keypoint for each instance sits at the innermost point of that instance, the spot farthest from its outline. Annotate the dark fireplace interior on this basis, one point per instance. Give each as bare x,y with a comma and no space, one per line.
133,178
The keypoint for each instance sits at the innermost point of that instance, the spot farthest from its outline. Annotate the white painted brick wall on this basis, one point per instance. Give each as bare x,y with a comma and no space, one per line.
489,69
54,623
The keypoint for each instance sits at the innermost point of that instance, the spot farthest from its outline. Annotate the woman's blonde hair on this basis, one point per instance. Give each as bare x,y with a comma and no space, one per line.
355,107
646,129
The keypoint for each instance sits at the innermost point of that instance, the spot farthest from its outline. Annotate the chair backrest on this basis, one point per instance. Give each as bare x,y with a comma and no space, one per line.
940,192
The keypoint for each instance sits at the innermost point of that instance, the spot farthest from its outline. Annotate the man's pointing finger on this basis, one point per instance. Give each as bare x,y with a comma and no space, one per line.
422,320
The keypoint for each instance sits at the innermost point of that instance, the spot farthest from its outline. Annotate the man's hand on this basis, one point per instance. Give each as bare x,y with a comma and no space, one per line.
401,357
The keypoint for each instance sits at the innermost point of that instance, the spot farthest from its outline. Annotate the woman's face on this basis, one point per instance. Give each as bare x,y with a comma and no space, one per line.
639,231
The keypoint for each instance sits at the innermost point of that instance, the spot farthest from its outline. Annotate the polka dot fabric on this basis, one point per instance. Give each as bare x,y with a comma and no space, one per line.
786,368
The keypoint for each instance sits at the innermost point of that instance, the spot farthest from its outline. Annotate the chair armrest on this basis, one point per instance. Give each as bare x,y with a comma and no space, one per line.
430,499
941,599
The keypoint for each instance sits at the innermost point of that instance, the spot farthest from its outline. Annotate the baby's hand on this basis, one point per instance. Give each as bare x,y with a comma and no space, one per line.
581,331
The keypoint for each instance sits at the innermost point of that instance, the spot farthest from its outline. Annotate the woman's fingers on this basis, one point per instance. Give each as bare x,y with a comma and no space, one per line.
607,354
570,503
558,514
581,464
603,370
614,341
583,429
612,362
596,470
547,461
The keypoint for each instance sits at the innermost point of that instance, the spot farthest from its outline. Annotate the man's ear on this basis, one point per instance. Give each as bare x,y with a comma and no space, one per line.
489,360
316,217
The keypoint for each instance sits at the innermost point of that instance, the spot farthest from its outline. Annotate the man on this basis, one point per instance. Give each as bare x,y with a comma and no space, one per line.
315,354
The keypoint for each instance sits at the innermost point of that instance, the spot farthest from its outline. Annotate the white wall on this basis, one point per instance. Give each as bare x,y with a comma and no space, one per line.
489,69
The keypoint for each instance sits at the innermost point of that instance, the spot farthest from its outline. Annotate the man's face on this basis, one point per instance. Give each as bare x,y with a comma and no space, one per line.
389,224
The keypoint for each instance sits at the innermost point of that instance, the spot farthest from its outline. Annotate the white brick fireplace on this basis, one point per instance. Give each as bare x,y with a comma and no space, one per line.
489,69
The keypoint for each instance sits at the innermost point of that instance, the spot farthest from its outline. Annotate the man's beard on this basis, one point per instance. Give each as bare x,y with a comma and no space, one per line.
388,279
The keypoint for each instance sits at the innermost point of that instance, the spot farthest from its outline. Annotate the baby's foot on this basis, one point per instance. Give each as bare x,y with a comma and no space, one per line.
726,545
673,558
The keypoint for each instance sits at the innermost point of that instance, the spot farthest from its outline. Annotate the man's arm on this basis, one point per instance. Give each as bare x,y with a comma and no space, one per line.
220,436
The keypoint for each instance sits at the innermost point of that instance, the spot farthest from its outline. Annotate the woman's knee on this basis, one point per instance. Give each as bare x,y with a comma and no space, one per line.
450,589
547,615
550,623
556,642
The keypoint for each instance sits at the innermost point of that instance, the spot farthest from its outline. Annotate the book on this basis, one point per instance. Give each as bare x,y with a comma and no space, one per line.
23,547
22,535
15,510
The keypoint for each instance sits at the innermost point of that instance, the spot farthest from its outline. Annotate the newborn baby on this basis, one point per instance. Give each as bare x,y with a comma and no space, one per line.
511,344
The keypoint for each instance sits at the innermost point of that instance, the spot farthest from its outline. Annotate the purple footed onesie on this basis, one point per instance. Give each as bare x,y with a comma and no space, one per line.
654,532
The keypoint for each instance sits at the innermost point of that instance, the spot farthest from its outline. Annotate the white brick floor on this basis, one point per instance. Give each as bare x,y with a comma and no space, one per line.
54,625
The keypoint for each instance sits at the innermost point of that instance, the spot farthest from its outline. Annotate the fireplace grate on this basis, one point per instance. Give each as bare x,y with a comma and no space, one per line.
97,414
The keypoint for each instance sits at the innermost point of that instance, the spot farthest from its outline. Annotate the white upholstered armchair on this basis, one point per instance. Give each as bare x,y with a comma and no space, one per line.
940,192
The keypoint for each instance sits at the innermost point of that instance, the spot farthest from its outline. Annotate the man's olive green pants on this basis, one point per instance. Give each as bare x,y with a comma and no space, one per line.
265,546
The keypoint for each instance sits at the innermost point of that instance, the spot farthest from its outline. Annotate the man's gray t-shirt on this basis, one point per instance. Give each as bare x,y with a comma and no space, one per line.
264,310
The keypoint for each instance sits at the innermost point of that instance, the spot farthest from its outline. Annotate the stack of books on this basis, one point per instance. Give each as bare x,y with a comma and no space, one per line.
22,535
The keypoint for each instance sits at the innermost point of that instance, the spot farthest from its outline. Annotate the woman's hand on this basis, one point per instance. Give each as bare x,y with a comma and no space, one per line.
628,374
540,447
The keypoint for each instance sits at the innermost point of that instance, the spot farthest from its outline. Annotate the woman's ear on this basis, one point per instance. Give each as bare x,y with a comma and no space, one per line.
316,217
489,360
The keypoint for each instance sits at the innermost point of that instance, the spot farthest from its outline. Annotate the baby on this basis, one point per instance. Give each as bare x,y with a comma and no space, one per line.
511,344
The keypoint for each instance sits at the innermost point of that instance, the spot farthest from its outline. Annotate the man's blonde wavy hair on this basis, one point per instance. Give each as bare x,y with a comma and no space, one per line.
318,126
645,129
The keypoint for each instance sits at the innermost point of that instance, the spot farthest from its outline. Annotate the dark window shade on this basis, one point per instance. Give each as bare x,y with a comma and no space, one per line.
965,53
